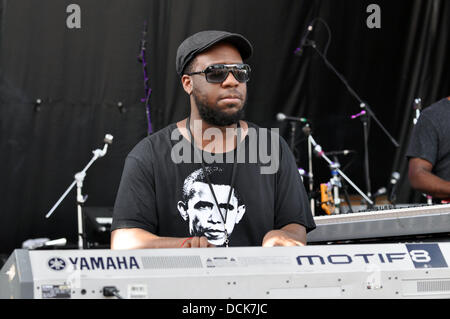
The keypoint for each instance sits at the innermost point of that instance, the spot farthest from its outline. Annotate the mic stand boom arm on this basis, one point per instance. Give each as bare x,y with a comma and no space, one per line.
319,151
352,92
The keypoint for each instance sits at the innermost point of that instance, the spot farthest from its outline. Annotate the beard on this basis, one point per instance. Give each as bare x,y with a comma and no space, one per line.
216,117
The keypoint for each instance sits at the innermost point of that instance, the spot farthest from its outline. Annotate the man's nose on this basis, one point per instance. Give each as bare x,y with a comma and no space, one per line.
230,80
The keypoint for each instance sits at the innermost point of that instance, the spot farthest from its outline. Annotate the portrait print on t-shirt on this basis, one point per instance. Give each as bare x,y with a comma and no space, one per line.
198,206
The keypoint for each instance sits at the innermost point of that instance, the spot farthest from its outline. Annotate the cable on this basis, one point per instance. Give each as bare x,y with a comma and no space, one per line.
111,291
325,51
117,295
310,42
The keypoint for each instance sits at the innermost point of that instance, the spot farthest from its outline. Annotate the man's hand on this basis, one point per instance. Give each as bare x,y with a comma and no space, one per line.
289,235
422,179
196,242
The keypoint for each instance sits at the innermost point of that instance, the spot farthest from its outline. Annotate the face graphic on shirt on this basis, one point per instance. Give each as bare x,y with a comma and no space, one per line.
203,216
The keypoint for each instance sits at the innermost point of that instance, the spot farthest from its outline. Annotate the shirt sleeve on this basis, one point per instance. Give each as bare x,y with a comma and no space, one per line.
135,201
292,204
424,141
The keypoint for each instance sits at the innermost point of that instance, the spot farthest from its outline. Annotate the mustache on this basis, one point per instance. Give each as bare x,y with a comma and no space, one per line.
232,94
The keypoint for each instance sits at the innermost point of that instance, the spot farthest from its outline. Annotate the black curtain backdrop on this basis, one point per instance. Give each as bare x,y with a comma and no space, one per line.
82,74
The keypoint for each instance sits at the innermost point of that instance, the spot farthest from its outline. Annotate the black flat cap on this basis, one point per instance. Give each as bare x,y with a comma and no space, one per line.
203,40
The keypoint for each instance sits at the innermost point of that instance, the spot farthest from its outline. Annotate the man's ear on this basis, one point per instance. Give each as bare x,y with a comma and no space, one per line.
240,213
186,81
182,208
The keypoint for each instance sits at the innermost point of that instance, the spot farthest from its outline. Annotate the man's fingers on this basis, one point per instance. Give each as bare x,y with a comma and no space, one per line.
291,243
195,242
203,241
276,241
198,242
269,242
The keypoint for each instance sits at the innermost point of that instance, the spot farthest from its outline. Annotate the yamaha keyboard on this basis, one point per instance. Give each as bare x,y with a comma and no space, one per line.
384,225
318,271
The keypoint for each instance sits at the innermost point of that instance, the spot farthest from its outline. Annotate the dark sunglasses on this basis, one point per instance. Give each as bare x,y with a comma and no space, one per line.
217,73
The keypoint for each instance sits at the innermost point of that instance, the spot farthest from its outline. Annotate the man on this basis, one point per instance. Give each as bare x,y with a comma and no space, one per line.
429,151
273,208
198,207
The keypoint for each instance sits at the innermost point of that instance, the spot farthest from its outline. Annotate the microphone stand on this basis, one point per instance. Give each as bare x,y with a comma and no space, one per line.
365,120
79,179
418,109
147,89
292,140
369,113
321,153
307,130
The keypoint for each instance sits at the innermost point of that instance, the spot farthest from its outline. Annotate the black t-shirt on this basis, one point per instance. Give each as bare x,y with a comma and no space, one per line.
430,139
159,194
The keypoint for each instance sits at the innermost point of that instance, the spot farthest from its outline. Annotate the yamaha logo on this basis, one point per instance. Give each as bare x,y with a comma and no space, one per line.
57,263
93,263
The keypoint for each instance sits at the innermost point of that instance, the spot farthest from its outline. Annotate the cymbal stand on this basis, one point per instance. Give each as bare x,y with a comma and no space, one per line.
335,183
321,153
